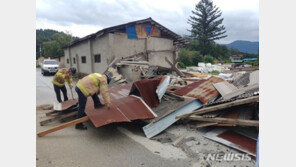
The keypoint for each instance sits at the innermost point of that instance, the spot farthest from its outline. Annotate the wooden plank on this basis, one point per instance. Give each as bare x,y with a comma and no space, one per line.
51,112
179,139
222,106
241,122
174,67
42,123
65,125
206,124
175,96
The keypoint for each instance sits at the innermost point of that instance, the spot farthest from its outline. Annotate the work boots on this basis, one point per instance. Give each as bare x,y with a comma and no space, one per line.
99,105
80,126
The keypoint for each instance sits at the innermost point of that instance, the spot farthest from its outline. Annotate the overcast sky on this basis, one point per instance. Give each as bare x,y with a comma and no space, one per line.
83,17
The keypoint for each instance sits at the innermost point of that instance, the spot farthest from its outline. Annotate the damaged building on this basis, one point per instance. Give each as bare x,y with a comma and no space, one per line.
145,39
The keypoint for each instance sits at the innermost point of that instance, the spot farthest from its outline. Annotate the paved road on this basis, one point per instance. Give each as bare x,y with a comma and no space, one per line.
114,145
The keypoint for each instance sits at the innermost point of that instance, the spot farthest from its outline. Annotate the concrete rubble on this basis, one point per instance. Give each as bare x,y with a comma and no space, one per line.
213,106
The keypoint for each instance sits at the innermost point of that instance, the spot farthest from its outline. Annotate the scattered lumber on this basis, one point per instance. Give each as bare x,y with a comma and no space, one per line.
222,106
175,96
133,62
60,117
174,68
65,125
241,122
51,112
206,124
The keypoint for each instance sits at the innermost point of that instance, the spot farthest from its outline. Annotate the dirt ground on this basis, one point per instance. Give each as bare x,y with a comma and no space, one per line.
121,144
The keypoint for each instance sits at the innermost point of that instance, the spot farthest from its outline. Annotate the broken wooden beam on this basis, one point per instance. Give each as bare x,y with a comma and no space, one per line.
221,106
240,122
206,124
174,67
65,125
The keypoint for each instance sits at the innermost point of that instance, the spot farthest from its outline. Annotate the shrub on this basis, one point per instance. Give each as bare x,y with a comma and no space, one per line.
209,59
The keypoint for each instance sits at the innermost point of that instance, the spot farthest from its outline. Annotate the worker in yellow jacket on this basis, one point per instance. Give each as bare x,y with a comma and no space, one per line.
59,79
92,85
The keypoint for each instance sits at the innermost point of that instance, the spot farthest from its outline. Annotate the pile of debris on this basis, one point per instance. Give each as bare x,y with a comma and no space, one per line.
162,96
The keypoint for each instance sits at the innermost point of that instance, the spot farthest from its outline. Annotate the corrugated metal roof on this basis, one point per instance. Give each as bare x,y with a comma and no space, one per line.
224,88
124,108
202,89
160,125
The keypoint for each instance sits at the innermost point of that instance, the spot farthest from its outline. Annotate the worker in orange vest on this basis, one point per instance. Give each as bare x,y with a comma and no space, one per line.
92,85
59,79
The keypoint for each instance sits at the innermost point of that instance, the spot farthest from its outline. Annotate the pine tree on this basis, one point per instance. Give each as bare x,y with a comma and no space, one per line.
206,25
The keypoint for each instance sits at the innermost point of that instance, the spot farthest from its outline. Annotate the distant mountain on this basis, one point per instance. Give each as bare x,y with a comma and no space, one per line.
245,46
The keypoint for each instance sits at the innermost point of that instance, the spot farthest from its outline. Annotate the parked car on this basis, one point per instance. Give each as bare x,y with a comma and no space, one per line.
49,67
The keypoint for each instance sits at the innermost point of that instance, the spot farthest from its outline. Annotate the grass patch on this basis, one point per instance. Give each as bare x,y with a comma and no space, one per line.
215,72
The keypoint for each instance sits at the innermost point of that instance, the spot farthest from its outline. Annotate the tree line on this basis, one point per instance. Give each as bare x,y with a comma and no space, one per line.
50,43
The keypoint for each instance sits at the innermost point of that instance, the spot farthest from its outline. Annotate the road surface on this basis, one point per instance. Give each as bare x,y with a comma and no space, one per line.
114,145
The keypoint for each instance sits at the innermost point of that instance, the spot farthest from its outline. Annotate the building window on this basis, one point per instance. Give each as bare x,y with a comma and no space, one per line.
67,61
83,59
74,60
98,58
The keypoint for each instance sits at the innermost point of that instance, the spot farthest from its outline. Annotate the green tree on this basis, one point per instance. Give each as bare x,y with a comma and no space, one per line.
54,48
189,58
206,25
45,45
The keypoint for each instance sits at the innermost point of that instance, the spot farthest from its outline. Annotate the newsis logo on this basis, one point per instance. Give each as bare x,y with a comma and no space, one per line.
228,157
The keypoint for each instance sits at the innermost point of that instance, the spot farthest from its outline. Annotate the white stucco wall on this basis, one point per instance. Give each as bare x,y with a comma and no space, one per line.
61,61
160,44
66,52
101,46
123,47
154,43
82,49
158,58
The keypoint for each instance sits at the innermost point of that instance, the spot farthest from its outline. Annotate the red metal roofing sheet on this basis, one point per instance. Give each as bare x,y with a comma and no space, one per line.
239,140
124,108
68,104
147,89
202,89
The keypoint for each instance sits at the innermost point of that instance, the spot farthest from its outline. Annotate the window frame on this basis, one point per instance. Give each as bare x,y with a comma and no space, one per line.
83,58
97,57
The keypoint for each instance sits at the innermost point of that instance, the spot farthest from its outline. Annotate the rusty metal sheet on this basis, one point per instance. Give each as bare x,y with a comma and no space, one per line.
202,89
147,90
233,139
124,108
68,104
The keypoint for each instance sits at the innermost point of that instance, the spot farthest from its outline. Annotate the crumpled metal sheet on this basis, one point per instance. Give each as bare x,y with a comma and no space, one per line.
147,90
124,108
162,87
167,120
202,90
